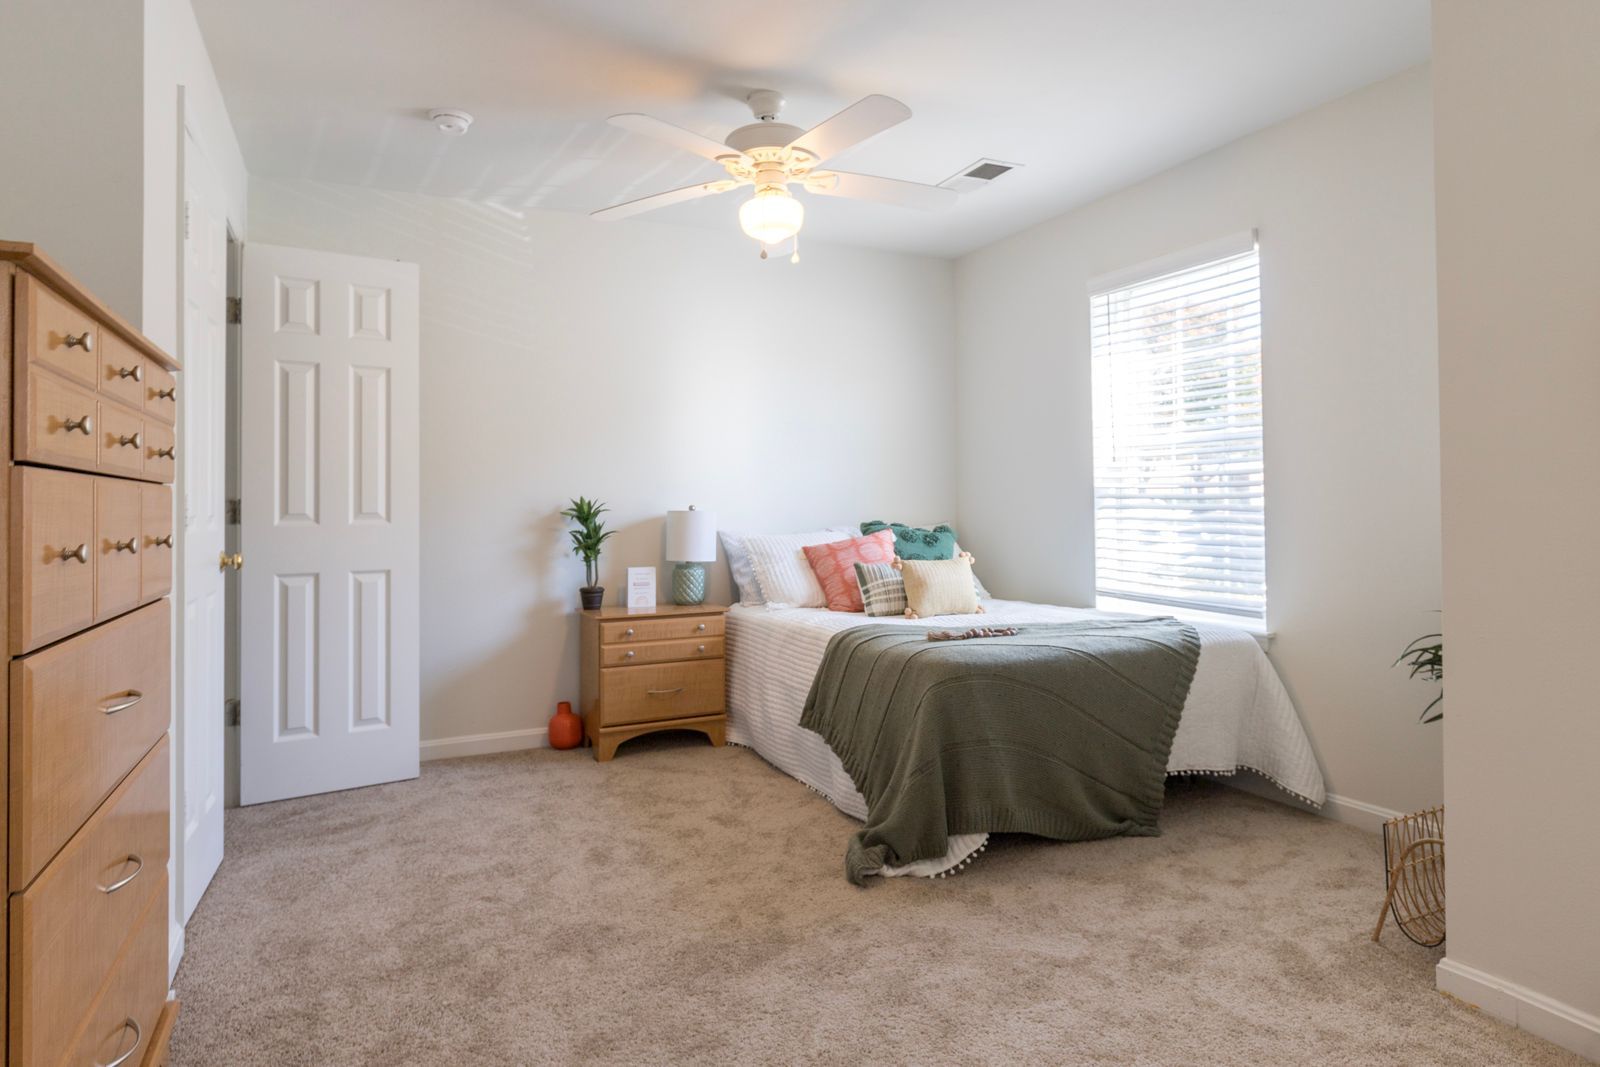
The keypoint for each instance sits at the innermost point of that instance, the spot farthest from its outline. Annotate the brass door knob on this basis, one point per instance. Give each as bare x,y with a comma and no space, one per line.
236,561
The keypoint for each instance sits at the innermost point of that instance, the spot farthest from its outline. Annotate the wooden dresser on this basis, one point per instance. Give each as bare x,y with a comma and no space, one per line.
88,554
644,671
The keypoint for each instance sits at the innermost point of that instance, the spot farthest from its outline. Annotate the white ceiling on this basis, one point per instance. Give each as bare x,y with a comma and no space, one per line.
1088,95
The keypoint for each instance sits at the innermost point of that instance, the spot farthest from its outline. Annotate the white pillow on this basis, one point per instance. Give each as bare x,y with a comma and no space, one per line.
745,588
781,570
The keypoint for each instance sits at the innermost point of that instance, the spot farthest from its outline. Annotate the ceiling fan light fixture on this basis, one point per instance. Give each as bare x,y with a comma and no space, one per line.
772,216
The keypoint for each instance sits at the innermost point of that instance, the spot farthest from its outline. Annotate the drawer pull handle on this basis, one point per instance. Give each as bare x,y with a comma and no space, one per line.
161,542
170,452
699,648
138,1035
120,882
663,692
86,424
628,654
84,340
169,393
122,703
81,553
131,442
628,632
700,629
136,373
131,546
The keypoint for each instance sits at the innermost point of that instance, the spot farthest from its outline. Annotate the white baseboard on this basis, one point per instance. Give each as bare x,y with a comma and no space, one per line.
174,952
1521,1007
484,744
1358,812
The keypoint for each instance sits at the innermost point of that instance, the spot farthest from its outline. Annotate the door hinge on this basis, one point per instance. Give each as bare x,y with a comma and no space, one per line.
234,507
230,712
235,310
186,220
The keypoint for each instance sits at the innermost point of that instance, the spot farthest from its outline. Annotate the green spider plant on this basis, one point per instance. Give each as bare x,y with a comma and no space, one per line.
1426,657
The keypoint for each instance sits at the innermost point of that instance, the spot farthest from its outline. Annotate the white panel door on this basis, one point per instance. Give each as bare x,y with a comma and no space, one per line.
329,455
201,476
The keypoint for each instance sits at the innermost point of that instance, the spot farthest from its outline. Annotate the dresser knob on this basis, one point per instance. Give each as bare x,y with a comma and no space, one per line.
133,441
161,542
169,393
126,546
628,632
628,654
701,628
81,553
700,648
84,340
86,424
136,373
170,452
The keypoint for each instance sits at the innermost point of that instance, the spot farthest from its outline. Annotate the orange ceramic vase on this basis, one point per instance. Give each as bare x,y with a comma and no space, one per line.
566,729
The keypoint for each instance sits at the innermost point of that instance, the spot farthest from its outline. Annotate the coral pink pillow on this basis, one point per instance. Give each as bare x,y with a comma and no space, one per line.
834,565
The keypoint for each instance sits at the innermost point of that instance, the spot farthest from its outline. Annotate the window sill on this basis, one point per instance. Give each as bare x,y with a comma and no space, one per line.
1254,627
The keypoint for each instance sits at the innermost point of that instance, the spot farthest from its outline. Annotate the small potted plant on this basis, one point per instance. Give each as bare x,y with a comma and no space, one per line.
586,541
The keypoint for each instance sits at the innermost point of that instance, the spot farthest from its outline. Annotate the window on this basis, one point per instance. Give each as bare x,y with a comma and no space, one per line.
1176,355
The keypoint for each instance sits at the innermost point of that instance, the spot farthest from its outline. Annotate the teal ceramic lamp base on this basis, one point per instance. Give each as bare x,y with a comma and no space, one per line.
689,583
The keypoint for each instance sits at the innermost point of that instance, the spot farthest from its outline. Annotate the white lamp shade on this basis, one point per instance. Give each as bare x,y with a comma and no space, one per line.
691,536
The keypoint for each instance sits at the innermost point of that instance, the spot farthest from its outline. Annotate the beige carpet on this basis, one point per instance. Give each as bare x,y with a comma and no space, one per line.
685,904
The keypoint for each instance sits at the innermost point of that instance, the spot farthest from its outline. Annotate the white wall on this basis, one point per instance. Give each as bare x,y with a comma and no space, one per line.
650,365
1343,199
1517,97
71,177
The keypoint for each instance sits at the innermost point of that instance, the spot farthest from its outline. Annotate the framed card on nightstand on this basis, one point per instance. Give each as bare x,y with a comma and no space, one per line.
641,588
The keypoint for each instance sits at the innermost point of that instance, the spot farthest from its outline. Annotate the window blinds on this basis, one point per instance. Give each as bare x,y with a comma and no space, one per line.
1177,436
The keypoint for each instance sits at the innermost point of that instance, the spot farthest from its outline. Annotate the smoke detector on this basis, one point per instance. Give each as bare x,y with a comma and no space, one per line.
451,120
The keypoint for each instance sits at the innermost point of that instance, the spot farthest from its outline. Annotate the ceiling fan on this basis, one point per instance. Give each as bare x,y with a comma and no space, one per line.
771,155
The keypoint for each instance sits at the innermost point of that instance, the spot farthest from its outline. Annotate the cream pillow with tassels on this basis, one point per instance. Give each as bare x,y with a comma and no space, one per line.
939,586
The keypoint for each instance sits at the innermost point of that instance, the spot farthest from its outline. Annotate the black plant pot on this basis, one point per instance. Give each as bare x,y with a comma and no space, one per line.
593,596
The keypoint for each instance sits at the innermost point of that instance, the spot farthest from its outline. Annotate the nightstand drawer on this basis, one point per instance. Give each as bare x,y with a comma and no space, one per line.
660,652
669,691
627,631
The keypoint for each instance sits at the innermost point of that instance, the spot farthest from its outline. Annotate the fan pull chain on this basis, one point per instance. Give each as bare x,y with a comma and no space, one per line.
763,251
795,258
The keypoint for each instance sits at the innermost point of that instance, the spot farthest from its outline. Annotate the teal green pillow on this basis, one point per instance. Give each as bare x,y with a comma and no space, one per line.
915,542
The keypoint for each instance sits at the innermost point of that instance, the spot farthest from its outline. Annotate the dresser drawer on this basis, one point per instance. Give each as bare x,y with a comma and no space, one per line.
160,393
55,334
160,453
155,542
660,652
118,515
159,1054
129,1016
668,691
120,436
122,371
69,927
52,567
57,422
625,632
82,714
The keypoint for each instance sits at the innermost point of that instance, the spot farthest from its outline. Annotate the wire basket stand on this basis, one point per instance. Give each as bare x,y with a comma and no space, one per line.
1413,856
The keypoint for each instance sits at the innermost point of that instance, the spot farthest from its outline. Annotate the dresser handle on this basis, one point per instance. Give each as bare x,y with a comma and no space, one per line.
138,1036
131,442
136,373
120,882
170,452
628,654
131,546
86,424
81,553
161,542
169,393
700,629
123,703
663,692
699,648
84,340
628,632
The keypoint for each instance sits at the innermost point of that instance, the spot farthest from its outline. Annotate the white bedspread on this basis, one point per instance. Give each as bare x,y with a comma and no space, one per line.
1237,715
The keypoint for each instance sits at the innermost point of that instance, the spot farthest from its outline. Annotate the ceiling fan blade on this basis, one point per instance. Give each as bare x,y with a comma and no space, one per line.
882,190
650,203
687,140
868,116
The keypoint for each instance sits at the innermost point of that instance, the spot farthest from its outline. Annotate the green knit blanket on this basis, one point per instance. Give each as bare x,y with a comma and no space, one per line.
1061,731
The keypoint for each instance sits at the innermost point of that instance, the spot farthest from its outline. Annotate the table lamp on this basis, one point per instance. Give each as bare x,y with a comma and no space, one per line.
691,543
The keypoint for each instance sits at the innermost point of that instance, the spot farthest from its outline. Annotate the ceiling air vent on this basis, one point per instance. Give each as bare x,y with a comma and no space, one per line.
977,175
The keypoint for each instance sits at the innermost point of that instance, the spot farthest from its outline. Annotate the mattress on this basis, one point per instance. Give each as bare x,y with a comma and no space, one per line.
1238,715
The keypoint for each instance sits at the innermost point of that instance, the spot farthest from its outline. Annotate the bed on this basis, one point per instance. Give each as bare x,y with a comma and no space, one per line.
1237,716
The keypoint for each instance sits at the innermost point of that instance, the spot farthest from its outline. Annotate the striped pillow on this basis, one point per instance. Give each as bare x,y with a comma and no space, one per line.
883,591
778,562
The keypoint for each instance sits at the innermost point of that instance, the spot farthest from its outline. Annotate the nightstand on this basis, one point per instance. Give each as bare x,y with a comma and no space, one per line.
649,670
